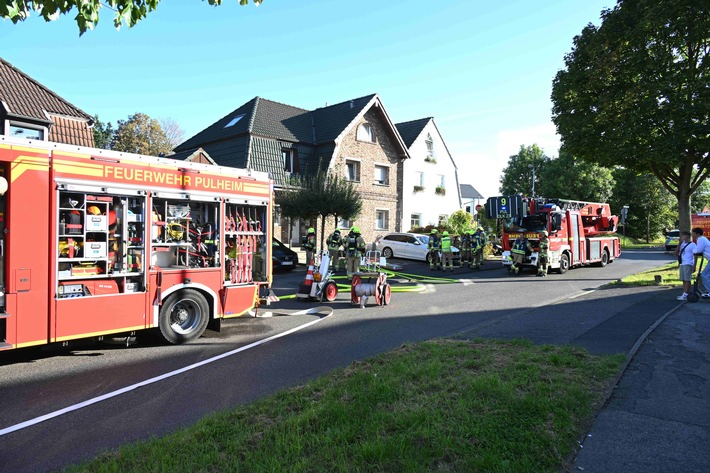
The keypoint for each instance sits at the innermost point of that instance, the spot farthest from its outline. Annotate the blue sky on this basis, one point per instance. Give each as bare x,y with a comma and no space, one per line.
482,69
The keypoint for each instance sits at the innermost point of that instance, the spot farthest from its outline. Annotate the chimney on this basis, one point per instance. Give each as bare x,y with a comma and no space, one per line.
352,104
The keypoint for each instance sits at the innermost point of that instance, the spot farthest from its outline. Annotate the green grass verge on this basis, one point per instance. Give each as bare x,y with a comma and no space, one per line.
637,243
441,405
668,273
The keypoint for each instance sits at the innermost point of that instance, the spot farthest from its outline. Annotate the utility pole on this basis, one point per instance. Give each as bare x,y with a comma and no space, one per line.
532,168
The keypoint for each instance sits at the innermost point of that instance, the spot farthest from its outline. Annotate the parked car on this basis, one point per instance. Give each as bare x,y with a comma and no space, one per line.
282,256
672,239
407,245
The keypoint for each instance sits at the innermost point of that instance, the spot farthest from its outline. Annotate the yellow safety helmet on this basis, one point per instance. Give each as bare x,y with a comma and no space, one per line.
311,230
93,210
175,230
445,233
434,230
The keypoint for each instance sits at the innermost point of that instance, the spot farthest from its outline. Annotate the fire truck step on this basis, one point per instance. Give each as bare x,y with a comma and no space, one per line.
4,315
4,345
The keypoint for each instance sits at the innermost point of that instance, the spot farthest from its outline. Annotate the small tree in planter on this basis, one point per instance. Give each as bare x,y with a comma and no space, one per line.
418,188
440,190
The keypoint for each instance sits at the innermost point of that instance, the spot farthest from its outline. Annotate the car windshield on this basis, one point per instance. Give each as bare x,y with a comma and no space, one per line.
424,239
530,223
673,233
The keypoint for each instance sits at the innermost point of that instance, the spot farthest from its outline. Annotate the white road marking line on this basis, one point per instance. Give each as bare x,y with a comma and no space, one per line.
118,392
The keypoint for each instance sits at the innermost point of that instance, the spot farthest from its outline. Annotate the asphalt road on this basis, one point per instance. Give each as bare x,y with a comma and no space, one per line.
111,396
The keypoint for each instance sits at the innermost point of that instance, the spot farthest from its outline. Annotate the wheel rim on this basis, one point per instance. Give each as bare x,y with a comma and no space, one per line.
387,253
331,291
185,316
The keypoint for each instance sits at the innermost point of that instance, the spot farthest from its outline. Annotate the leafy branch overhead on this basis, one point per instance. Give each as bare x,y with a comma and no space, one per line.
127,12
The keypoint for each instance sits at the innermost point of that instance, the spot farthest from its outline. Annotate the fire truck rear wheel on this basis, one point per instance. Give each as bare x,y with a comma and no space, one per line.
184,316
605,259
564,263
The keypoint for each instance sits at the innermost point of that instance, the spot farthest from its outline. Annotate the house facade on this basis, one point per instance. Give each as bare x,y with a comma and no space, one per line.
355,138
430,191
32,111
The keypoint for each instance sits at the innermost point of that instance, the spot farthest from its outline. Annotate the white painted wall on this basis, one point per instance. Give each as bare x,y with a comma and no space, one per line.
427,203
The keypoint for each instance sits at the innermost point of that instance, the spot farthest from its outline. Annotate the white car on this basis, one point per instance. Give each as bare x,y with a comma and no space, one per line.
407,245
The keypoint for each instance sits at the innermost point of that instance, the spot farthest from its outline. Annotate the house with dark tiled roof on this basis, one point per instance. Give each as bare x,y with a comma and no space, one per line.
430,191
30,110
355,138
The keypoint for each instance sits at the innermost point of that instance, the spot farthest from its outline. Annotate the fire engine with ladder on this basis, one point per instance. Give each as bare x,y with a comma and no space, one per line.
580,233
96,242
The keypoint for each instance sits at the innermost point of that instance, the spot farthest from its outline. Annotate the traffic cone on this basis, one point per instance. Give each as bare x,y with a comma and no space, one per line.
304,290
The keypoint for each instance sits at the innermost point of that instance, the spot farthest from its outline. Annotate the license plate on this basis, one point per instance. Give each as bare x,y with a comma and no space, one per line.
287,263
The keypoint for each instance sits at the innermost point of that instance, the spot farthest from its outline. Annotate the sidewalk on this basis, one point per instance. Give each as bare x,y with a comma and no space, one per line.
658,416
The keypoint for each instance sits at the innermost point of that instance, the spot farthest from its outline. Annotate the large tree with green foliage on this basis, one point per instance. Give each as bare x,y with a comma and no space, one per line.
103,133
141,134
321,194
128,12
517,176
635,92
567,177
651,206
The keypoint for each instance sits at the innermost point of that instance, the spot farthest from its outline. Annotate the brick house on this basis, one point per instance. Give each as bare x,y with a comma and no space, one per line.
32,111
431,183
355,138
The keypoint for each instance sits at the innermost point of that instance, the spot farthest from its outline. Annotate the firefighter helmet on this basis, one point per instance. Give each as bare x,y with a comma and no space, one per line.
175,230
445,233
480,229
311,230
337,230
93,210
434,230
355,229
544,232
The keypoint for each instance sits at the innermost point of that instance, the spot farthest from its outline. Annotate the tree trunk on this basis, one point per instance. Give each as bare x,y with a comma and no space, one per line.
684,210
648,227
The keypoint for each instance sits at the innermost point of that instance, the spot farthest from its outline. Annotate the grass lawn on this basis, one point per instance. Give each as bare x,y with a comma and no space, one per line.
443,405
668,274
636,243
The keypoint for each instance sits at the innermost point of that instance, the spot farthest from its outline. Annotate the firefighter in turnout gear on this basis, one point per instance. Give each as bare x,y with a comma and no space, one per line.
543,258
447,256
354,250
334,242
520,248
433,249
466,242
478,242
310,246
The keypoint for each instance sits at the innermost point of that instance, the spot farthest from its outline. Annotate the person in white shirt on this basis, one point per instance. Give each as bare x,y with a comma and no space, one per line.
702,248
686,259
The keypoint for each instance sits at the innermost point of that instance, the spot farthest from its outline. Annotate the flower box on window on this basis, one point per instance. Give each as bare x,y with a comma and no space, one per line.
418,188
440,190
430,159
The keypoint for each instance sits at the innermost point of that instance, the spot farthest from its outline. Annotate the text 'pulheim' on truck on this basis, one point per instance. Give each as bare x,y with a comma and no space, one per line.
579,232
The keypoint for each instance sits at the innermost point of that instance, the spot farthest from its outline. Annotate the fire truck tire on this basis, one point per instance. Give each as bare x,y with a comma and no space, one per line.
605,259
184,316
564,263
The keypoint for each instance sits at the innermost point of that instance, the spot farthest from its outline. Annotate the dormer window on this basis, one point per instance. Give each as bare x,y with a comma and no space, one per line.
22,130
365,133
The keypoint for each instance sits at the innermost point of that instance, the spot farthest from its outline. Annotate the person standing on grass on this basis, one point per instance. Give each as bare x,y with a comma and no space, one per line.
686,259
702,248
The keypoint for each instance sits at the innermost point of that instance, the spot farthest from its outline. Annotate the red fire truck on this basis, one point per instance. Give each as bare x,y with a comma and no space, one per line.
579,232
96,242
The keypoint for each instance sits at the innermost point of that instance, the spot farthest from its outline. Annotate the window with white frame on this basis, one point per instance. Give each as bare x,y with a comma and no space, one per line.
365,133
443,218
382,219
345,223
22,130
382,175
415,221
352,170
290,159
419,179
429,147
442,180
